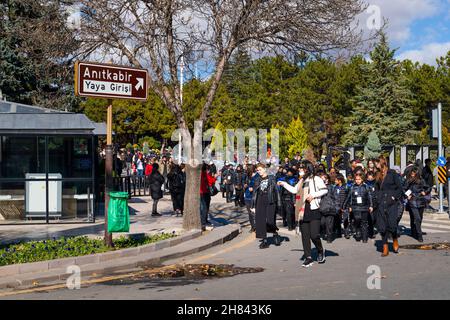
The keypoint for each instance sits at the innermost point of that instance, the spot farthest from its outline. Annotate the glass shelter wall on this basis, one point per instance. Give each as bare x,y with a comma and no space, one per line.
46,179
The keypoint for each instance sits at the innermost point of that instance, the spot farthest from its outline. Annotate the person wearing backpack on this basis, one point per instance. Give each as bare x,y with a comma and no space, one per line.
309,192
359,202
328,209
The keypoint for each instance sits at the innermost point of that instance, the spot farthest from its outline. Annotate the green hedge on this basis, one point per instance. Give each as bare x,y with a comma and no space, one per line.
68,247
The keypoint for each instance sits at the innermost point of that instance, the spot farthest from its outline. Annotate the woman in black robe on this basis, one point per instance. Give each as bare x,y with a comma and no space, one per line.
389,192
266,199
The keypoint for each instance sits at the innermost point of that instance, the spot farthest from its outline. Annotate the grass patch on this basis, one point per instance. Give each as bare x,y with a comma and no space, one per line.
34,251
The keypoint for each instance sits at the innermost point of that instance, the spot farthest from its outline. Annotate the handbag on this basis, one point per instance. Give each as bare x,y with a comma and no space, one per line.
213,190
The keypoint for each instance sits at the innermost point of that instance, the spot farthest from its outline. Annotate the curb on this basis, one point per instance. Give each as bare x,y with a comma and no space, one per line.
105,263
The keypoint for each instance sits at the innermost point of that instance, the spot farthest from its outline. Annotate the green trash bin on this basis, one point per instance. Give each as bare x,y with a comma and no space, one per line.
118,214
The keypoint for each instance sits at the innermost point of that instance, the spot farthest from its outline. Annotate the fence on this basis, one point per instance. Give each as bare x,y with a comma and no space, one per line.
136,186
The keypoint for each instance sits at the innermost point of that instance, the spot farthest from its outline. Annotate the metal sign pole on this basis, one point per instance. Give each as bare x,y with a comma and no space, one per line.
441,186
108,170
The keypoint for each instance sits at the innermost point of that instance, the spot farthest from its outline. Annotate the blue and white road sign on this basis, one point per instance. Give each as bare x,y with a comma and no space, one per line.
441,162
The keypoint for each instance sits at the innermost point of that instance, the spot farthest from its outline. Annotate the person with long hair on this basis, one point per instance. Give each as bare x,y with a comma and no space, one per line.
250,178
265,201
389,191
417,189
156,181
177,184
309,191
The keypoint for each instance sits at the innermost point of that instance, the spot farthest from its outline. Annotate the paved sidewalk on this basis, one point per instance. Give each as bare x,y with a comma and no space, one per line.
140,222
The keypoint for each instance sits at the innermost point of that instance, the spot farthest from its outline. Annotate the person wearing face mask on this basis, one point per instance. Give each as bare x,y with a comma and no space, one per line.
309,191
265,201
359,202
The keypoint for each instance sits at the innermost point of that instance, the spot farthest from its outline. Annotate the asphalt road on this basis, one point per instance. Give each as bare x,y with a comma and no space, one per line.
411,274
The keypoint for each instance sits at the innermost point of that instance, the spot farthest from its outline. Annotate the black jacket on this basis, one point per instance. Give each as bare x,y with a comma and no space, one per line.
156,181
273,193
340,195
417,187
176,182
239,180
228,173
361,192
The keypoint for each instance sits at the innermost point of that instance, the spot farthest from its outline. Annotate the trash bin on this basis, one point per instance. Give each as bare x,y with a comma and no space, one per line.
118,214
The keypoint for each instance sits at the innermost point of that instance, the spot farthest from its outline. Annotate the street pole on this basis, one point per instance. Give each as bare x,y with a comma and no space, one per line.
441,186
108,170
181,100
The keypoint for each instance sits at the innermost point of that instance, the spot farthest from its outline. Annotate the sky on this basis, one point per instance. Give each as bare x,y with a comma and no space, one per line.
419,29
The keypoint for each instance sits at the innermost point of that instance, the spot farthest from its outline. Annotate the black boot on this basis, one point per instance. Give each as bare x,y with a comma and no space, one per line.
264,244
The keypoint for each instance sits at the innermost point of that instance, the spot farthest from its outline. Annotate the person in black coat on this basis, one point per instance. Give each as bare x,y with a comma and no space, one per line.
239,181
359,202
228,177
427,173
156,181
176,183
340,195
416,190
327,220
265,201
388,192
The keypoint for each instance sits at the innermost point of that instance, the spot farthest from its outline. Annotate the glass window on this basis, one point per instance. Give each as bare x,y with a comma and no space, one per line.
77,202
21,155
70,156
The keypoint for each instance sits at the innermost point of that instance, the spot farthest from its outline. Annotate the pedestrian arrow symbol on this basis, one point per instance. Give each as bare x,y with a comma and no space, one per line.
441,162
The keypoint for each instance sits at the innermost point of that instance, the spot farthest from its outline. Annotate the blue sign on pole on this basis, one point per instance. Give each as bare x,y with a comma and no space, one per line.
441,162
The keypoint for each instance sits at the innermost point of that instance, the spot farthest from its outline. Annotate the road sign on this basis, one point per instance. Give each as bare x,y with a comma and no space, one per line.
110,81
441,162
442,174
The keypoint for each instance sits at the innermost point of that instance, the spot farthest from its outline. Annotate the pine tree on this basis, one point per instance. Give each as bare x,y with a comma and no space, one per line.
372,149
295,137
383,101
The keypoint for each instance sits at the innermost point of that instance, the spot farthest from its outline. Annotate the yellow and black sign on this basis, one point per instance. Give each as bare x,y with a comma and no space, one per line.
442,174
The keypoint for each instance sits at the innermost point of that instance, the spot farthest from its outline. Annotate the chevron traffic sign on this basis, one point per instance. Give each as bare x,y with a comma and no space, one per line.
442,174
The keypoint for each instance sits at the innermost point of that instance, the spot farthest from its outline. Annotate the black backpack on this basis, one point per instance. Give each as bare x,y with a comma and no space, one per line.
327,205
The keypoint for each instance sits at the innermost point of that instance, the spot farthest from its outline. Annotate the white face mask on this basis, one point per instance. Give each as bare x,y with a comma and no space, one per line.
301,173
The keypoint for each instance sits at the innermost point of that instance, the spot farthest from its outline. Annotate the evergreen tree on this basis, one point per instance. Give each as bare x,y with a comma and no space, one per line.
372,149
295,137
383,101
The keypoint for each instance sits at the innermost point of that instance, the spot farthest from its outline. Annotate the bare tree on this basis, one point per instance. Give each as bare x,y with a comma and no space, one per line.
156,33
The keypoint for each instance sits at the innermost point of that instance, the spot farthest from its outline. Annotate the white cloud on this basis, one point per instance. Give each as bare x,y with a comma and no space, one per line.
427,54
402,13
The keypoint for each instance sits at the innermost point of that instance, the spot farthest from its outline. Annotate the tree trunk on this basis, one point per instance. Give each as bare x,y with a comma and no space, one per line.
191,216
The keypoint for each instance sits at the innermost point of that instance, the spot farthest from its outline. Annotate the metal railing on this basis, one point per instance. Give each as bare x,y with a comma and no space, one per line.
136,186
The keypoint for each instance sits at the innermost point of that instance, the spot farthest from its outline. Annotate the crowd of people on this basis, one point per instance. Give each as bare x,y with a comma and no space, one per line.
319,203
359,202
